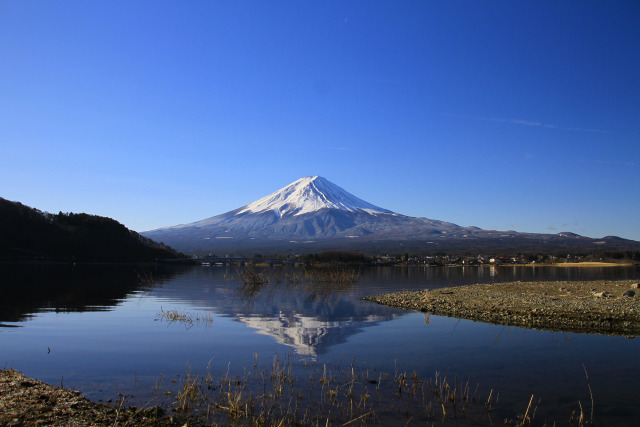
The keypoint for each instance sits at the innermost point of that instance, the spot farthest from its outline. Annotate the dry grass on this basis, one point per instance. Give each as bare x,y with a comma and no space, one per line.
280,394
300,392
185,318
314,280
283,393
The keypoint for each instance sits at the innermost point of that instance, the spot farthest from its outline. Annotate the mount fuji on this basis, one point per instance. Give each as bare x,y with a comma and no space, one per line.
313,213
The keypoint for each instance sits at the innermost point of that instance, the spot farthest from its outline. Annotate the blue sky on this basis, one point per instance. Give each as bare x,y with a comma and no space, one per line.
503,115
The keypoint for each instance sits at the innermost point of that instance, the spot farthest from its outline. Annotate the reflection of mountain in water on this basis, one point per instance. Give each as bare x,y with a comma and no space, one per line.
308,336
306,318
312,329
33,288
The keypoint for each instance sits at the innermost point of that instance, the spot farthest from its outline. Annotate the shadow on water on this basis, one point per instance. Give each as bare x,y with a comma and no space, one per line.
33,288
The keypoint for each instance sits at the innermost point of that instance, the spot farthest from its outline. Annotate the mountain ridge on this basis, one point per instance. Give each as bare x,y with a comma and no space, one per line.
313,213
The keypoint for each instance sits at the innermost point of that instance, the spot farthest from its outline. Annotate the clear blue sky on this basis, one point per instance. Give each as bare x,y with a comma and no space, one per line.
505,115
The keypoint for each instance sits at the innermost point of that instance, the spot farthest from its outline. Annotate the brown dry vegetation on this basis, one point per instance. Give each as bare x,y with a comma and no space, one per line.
272,396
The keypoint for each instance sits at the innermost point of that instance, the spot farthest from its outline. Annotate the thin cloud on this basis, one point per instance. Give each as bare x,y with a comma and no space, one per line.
532,123
551,227
542,125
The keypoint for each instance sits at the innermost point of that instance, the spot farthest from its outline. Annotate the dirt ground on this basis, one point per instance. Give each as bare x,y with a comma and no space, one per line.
602,307
25,401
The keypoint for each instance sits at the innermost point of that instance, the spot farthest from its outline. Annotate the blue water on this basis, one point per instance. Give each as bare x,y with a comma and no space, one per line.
101,333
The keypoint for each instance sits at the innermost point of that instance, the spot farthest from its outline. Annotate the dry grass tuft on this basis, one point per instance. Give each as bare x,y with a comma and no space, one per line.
184,317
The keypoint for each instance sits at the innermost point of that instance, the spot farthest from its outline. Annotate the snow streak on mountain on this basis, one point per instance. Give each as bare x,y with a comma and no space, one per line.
310,194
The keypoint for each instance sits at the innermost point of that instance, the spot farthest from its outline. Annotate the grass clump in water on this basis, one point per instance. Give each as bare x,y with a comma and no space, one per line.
322,280
184,317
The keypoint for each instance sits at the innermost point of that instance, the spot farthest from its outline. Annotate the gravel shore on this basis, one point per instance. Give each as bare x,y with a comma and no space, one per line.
25,401
601,307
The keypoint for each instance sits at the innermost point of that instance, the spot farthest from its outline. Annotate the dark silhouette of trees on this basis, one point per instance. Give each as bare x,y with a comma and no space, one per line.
336,257
28,233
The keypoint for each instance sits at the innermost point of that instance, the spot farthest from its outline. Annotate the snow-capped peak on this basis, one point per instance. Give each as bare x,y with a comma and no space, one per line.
310,194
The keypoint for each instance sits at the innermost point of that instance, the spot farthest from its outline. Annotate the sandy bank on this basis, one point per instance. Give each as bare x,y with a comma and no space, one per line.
591,264
603,307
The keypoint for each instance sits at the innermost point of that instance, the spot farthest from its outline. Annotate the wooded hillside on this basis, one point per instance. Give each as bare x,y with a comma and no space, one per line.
27,233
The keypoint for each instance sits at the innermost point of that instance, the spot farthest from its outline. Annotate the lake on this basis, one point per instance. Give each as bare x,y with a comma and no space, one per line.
99,329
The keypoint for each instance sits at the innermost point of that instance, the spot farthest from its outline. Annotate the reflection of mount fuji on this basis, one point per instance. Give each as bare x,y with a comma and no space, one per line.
310,332
308,320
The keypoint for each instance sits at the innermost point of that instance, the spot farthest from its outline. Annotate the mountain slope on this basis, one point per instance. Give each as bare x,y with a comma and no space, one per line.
316,213
309,208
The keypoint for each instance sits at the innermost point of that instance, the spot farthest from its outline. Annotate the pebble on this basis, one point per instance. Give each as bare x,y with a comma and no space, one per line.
558,306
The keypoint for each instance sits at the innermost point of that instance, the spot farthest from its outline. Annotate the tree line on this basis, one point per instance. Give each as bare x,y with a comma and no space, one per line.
28,233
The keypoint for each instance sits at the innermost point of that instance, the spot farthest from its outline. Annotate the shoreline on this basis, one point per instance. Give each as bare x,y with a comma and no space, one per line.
599,307
25,400
583,264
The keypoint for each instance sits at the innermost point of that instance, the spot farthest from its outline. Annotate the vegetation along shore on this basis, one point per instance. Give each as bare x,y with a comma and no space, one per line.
275,396
602,307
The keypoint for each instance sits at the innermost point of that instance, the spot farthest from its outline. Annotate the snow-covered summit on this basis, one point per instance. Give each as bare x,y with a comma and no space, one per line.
310,194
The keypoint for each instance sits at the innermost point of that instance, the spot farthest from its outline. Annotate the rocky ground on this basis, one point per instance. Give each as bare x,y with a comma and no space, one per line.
25,401
602,307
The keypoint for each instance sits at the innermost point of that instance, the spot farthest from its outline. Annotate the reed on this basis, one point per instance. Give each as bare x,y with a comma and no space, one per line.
590,391
317,281
292,392
184,317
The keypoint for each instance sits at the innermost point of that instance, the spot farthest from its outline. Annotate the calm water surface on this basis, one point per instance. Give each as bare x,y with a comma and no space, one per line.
96,329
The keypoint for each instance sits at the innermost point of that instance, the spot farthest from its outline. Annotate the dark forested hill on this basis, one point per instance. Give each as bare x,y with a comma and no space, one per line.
28,233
